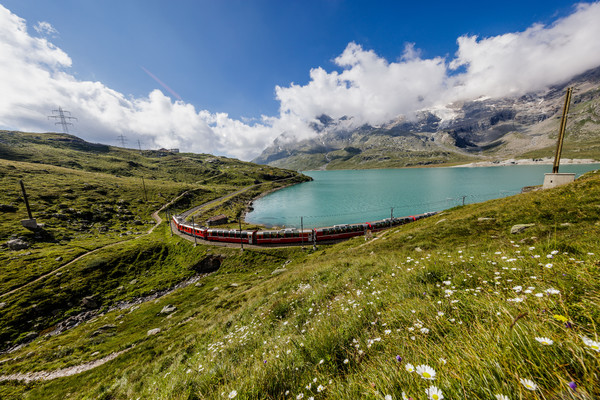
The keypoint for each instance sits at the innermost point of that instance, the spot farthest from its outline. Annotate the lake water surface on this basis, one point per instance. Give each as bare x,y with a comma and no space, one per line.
354,196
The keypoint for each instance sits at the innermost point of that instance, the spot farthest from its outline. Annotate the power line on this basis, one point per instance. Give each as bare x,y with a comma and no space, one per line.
122,139
63,119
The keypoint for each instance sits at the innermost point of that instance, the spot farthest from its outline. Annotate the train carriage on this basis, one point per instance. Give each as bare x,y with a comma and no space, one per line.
340,231
284,236
230,235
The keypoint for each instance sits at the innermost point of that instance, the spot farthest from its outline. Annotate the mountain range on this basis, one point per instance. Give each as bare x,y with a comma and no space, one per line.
484,129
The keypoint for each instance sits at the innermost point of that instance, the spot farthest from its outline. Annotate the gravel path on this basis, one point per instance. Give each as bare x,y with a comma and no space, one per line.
60,373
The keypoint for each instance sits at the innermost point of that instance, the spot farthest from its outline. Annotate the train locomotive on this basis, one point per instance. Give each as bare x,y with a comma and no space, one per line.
291,235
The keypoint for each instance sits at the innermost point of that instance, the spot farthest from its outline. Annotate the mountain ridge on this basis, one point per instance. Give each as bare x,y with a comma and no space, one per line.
482,129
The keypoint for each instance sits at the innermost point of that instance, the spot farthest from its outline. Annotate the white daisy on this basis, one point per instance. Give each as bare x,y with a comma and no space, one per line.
434,393
426,372
591,343
232,394
544,340
409,368
529,384
501,397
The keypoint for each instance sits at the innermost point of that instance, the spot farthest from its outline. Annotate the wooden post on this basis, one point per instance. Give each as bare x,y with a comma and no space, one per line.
561,132
25,198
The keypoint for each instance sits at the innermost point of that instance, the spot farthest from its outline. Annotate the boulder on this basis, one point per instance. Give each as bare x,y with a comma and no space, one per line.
153,331
520,228
168,309
278,271
89,302
17,244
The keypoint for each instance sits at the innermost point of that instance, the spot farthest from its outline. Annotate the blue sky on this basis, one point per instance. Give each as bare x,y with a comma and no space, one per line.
230,56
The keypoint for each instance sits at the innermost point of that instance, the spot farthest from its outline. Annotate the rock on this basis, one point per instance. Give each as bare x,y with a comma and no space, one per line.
153,331
2,305
520,228
168,309
17,244
133,282
89,302
440,221
208,264
278,271
29,337
234,285
483,219
58,258
103,329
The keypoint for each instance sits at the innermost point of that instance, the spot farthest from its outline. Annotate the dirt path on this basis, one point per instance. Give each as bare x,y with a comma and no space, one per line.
60,373
155,216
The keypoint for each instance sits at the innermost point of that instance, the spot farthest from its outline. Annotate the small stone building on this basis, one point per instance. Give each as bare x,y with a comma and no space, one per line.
217,220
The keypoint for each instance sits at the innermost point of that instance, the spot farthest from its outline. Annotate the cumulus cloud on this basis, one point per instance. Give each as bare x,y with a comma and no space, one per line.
366,88
375,91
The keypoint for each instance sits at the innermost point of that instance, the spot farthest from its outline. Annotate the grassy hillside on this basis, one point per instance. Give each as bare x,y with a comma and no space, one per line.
88,196
456,292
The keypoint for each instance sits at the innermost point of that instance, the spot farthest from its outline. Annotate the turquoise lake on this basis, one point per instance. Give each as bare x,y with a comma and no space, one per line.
354,196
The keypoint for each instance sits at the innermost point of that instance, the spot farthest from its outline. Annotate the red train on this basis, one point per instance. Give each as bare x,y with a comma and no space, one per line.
291,235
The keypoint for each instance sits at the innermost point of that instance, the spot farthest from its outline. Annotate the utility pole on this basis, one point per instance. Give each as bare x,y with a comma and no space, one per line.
302,230
241,239
194,232
144,186
391,216
561,133
63,119
122,139
169,218
463,197
140,146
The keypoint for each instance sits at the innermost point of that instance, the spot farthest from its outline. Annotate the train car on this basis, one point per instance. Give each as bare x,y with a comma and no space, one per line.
230,235
283,236
192,230
292,235
340,231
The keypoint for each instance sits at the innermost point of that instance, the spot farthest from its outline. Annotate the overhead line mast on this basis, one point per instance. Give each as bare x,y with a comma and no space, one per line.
63,119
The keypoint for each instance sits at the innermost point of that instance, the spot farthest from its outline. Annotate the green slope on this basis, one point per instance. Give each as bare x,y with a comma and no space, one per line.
457,292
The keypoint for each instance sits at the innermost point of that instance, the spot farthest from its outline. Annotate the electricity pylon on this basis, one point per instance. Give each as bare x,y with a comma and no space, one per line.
63,119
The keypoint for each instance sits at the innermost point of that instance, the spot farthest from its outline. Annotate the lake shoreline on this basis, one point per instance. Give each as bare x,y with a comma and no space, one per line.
527,161
477,164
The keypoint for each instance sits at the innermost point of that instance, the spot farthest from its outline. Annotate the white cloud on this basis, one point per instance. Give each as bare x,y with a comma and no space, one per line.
34,78
374,91
45,28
